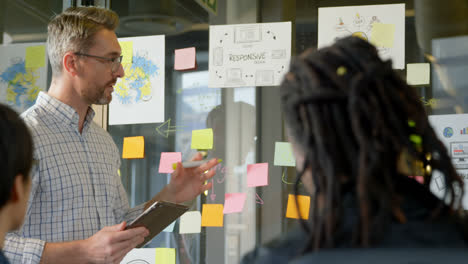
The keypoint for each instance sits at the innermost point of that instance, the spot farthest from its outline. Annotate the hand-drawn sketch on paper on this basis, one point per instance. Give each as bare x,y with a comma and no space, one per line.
140,256
138,97
249,54
382,25
22,77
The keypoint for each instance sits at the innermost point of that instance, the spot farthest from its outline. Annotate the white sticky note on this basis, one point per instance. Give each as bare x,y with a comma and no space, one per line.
418,73
190,223
284,155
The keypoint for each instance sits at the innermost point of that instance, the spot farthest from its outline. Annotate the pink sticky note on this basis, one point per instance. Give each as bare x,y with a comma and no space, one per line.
167,159
185,59
419,179
257,174
234,202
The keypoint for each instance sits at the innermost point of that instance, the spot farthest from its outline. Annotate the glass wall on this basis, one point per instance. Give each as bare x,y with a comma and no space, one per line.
191,105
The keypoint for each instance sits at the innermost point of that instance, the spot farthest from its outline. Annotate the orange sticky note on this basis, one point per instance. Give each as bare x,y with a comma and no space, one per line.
133,148
304,206
234,202
185,59
257,174
165,256
167,159
212,215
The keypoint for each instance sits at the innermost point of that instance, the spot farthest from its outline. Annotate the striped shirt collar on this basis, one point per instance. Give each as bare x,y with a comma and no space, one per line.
64,112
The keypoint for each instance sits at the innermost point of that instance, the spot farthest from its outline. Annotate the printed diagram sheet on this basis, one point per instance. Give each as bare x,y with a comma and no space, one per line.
140,256
452,130
382,25
249,54
23,74
138,97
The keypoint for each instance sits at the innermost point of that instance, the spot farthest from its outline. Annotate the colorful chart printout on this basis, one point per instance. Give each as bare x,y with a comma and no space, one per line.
138,97
23,74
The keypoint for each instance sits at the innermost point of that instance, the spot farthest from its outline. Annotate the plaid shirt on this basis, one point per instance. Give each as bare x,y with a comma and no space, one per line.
76,190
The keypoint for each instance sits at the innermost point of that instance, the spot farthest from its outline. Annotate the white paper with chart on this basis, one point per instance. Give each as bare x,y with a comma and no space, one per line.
23,74
452,130
249,54
382,25
138,97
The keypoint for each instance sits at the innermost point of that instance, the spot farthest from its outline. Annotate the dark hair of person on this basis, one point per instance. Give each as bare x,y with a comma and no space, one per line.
16,151
353,118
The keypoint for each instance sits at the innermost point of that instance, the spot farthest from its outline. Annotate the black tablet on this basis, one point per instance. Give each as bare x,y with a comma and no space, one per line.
157,217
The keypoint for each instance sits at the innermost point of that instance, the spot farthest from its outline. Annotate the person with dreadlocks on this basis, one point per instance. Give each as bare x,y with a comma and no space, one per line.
355,125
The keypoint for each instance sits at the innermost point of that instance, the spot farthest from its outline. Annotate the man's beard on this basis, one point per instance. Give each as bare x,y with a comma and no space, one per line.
103,99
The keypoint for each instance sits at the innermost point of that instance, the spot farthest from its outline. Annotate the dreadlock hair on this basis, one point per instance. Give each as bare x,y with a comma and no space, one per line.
353,117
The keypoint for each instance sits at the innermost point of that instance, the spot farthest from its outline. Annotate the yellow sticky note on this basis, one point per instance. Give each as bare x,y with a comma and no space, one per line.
165,256
127,51
304,206
383,35
212,215
133,148
35,56
202,139
418,73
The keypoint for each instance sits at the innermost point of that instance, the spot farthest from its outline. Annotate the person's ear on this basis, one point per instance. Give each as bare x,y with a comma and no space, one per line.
70,63
19,189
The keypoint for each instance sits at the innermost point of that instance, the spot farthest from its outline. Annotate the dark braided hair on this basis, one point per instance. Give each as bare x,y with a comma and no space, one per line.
353,118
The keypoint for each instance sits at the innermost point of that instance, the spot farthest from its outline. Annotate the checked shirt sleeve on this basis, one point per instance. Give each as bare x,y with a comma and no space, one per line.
23,250
19,249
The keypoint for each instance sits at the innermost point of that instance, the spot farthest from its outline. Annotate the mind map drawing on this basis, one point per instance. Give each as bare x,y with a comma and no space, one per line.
249,54
375,23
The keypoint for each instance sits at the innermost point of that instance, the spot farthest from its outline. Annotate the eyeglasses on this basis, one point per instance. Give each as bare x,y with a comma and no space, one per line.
115,62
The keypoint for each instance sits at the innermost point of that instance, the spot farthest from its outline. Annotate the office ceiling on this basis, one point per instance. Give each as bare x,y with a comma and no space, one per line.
26,20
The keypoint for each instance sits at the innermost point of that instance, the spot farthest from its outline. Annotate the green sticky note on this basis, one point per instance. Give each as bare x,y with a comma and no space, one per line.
418,73
416,139
127,51
165,256
383,35
284,155
35,56
202,139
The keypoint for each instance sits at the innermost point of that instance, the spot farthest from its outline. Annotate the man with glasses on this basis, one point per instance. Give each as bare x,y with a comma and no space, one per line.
78,207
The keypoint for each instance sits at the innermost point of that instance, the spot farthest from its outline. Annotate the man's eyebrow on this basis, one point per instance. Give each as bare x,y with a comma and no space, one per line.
113,54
